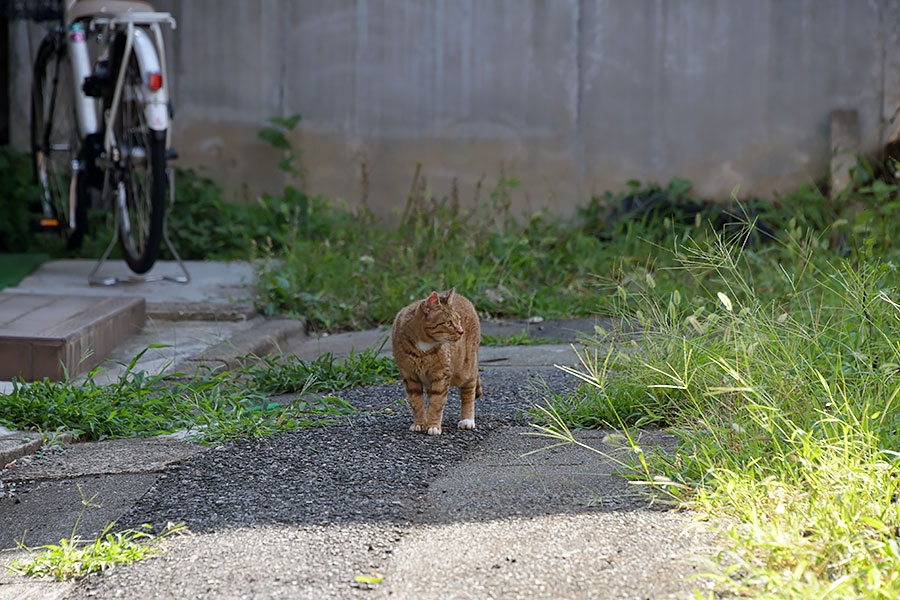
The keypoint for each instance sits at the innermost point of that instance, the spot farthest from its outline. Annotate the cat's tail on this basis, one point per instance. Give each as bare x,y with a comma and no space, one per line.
478,393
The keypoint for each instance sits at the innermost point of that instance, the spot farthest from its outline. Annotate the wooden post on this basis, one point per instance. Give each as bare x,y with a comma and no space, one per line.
844,149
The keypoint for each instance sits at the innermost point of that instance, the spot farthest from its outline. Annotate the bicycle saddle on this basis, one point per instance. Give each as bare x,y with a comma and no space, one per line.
81,9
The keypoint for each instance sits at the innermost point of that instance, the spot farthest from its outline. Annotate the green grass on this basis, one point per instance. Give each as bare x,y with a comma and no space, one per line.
75,558
785,405
278,374
523,338
14,267
340,269
214,406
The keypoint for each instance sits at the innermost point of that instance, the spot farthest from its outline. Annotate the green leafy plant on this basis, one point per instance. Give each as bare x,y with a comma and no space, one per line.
374,578
277,137
74,557
213,406
355,273
19,202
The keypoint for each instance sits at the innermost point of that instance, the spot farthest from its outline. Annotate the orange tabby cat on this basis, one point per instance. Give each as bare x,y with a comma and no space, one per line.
435,346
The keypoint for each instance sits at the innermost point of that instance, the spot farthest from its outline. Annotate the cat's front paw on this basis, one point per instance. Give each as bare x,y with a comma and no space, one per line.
467,424
415,427
434,431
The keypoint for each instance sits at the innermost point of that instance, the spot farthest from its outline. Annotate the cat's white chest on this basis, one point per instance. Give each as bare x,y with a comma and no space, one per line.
426,346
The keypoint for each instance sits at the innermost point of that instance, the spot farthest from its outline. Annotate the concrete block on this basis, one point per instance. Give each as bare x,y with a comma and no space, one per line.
50,335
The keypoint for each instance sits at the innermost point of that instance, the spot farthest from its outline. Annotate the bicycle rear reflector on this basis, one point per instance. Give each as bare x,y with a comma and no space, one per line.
154,80
45,225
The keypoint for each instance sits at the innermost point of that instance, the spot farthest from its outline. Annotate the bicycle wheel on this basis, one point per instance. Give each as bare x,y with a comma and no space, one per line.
140,182
55,143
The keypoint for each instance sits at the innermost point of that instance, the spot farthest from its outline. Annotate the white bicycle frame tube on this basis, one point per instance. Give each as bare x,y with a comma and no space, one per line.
85,106
137,40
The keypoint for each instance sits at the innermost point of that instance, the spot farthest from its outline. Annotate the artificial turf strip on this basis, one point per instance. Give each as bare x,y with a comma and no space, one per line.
14,267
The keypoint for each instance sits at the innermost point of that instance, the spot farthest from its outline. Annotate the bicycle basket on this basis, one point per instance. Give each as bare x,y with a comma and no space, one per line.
31,10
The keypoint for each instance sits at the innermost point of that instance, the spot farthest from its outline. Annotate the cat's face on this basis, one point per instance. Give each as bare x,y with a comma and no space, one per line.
442,323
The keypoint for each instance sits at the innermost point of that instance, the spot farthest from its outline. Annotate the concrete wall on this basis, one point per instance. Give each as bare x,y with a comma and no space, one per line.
573,97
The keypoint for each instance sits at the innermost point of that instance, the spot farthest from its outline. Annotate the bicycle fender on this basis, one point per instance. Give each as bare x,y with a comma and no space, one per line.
156,105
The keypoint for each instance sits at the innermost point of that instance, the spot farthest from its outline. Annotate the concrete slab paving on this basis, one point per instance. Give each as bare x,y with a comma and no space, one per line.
516,519
520,473
108,457
43,590
46,511
339,344
597,556
43,496
219,285
266,337
15,444
181,341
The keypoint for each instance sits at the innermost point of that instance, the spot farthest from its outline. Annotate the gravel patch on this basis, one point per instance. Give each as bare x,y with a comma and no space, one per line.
508,392
327,475
369,467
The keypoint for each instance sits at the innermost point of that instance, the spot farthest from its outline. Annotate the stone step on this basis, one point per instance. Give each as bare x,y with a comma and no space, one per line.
49,335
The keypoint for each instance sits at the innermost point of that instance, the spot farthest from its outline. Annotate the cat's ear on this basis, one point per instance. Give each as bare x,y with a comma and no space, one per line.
445,296
430,302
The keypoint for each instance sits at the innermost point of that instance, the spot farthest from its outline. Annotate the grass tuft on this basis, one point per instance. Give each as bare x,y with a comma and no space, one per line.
523,338
785,406
277,374
75,558
213,406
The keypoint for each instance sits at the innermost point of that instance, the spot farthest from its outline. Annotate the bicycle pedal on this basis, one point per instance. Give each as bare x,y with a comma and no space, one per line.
171,154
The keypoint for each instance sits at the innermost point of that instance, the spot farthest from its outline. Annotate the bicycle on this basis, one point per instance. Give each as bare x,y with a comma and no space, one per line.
100,123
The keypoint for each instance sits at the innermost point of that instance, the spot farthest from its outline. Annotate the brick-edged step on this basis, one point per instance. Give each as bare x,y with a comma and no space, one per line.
45,335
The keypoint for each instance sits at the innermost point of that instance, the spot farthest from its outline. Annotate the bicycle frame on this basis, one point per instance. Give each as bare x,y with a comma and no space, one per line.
156,104
151,59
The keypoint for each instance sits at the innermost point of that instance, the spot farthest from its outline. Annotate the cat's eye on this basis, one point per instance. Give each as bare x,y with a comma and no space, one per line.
449,323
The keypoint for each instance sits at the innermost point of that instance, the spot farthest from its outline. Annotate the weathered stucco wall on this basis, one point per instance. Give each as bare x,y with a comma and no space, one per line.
573,97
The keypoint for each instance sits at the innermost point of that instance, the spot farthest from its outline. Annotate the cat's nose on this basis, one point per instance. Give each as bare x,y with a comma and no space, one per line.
459,330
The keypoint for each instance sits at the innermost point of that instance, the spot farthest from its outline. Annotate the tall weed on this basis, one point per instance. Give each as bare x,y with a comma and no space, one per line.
354,273
785,404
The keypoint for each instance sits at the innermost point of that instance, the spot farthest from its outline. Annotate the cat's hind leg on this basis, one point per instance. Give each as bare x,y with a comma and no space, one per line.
467,393
415,393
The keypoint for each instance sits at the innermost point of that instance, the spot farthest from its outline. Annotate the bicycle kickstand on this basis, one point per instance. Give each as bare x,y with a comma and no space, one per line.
94,279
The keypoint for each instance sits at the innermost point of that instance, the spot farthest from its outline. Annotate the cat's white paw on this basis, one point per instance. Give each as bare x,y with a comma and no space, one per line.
467,424
434,431
415,427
